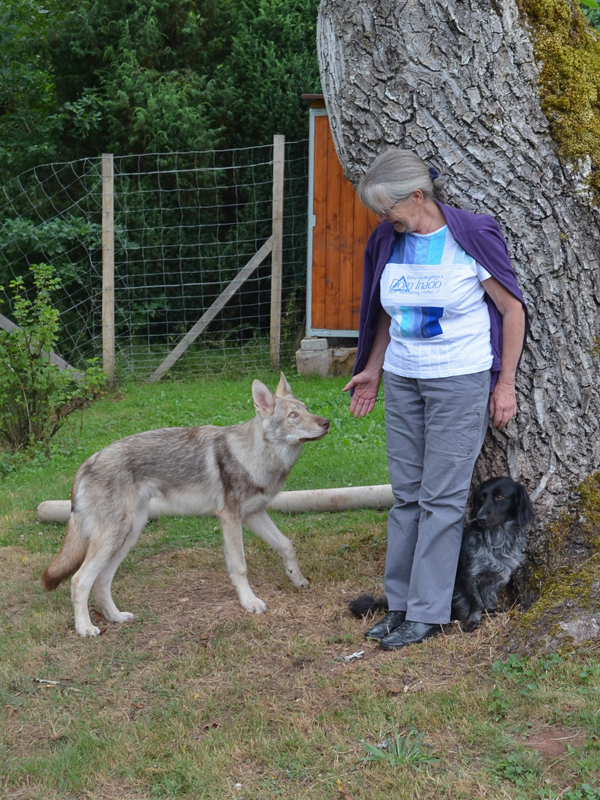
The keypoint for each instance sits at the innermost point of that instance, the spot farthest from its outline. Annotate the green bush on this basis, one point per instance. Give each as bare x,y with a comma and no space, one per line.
35,395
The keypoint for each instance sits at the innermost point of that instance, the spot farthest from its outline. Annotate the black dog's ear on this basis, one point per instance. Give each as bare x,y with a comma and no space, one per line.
525,510
476,502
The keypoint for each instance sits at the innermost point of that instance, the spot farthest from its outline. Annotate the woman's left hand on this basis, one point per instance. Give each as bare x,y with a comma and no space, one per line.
503,404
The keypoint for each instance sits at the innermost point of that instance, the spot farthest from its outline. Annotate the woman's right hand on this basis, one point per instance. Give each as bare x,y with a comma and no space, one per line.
366,387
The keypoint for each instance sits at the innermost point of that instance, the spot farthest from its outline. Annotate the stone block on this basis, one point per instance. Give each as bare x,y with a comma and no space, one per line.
342,360
336,361
313,362
314,343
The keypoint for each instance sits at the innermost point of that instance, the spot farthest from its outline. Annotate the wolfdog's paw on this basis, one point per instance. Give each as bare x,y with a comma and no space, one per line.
87,630
297,578
122,616
254,606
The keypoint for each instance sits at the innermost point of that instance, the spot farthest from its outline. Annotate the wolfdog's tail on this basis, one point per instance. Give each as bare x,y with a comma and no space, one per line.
69,558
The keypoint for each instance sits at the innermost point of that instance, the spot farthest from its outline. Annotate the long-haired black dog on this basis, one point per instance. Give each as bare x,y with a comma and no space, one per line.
491,550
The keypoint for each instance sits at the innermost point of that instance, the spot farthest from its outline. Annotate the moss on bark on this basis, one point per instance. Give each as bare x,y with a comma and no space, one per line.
568,53
567,610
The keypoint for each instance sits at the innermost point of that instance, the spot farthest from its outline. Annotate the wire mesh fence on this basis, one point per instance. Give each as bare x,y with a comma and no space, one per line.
184,225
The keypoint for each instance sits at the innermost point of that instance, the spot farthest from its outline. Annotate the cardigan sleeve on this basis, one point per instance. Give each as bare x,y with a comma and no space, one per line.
367,284
377,251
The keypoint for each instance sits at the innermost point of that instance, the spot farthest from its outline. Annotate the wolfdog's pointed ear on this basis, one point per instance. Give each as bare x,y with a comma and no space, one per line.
264,399
283,387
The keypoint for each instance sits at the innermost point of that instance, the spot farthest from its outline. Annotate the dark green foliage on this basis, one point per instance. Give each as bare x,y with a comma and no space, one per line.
35,395
49,239
271,63
77,79
27,102
591,12
143,66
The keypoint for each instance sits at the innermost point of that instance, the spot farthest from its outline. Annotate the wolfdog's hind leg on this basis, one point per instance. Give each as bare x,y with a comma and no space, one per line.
103,583
262,525
98,556
233,543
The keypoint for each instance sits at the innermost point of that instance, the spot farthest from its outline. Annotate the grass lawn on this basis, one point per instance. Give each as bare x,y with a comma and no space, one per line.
198,699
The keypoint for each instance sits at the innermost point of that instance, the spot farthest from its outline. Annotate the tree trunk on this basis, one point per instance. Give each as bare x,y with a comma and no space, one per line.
456,81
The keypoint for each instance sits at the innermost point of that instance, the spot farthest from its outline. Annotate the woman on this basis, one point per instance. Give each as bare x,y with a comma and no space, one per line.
443,319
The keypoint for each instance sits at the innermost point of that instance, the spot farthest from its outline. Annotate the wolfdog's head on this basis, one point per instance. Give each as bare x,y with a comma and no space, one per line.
285,419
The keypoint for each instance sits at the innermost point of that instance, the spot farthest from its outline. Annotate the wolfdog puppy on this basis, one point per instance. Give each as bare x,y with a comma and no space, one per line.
232,472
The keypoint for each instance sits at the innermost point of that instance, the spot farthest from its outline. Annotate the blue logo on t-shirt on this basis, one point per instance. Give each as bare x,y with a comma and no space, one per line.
400,286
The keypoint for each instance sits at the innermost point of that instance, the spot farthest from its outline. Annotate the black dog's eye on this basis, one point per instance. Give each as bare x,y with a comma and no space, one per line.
498,497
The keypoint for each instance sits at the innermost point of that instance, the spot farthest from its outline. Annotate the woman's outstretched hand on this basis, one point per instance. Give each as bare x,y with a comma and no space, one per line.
366,387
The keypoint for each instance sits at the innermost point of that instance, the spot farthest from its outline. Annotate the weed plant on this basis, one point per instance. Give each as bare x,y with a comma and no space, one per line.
398,750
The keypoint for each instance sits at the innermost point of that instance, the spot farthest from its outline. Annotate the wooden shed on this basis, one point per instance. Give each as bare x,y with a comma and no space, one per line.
338,229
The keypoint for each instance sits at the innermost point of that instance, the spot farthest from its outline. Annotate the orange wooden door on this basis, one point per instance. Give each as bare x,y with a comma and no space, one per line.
341,228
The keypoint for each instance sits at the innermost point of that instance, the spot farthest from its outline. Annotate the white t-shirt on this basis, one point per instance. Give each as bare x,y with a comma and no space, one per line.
431,288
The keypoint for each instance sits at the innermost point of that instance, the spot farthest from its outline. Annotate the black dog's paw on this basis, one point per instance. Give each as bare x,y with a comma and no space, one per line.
366,603
470,625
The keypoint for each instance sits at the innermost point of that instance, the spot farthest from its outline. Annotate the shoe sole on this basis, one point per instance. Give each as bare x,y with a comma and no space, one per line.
378,638
406,644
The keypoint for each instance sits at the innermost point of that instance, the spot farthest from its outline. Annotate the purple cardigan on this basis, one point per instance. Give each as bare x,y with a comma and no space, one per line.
479,235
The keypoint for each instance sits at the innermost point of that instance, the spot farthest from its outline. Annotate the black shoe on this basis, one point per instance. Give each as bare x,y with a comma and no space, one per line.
409,633
391,621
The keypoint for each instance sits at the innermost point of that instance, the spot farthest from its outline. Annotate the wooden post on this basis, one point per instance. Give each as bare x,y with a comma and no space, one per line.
108,268
277,254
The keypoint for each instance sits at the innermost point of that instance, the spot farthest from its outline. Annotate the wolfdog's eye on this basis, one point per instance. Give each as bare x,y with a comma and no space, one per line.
293,414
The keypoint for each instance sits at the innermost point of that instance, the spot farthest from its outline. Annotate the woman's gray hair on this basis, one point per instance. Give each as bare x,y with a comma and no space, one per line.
392,177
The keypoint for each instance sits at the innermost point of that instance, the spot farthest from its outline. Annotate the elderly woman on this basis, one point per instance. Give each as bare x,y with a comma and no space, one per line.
443,319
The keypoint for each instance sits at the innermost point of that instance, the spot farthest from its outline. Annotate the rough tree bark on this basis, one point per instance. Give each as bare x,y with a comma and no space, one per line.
456,81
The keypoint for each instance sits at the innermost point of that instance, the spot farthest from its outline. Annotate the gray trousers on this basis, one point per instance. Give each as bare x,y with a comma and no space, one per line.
434,432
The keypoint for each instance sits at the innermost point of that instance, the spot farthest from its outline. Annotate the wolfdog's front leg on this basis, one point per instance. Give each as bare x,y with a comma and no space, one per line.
233,543
262,525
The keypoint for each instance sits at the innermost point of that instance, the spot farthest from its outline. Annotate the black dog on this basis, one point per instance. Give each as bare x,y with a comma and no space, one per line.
491,550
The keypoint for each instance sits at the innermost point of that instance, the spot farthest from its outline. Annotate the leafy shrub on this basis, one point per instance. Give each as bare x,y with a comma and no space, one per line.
35,395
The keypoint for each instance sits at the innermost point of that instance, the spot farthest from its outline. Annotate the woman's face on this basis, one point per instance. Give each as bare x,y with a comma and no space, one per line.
406,215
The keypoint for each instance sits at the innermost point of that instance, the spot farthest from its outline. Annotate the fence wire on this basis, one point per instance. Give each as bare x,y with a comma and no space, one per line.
185,224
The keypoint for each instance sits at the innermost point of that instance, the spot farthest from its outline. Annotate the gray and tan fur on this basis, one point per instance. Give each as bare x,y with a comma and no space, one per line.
232,472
